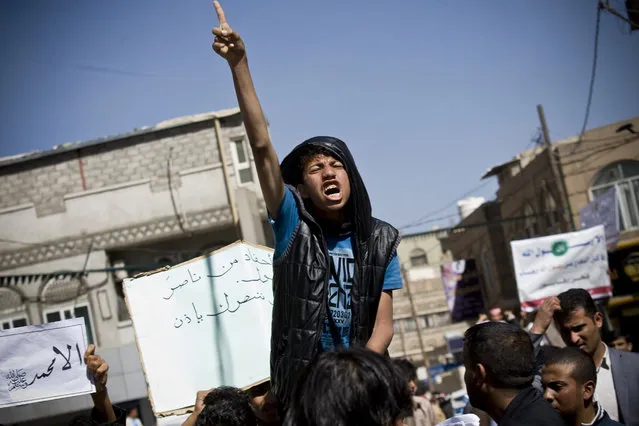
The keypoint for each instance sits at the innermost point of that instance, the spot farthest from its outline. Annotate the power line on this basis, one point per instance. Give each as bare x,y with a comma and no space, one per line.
441,209
593,72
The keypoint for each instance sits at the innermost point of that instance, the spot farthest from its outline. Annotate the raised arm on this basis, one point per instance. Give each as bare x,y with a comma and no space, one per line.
229,45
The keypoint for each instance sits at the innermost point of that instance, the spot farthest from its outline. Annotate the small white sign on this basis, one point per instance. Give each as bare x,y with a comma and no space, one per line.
547,266
43,362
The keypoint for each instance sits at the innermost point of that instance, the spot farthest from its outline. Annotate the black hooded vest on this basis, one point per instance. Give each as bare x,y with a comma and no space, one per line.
301,274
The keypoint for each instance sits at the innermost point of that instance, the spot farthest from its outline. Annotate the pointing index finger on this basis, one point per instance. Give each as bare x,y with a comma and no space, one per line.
220,13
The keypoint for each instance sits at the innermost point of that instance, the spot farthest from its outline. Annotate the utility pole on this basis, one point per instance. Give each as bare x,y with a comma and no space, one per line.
557,171
419,329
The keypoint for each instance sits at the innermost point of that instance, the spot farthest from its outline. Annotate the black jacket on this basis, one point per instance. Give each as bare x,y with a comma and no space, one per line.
528,408
301,273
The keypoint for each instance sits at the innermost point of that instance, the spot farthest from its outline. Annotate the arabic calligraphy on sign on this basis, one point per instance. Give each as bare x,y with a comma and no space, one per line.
199,317
18,378
225,268
539,251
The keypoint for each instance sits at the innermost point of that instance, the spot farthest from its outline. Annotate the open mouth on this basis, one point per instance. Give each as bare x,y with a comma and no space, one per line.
332,191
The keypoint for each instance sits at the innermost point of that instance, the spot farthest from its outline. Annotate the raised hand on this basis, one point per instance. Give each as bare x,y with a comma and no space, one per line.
545,314
227,43
97,367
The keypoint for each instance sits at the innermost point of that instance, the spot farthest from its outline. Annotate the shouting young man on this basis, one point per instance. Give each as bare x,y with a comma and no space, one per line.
334,264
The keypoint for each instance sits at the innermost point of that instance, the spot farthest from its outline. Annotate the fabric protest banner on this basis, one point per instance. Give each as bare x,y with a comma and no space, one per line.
603,210
203,324
43,362
462,288
547,266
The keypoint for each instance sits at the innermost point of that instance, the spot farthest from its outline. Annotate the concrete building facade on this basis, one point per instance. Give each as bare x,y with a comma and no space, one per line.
78,219
420,310
529,202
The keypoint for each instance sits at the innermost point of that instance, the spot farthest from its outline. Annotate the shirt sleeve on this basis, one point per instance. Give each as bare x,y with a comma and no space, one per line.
393,276
285,223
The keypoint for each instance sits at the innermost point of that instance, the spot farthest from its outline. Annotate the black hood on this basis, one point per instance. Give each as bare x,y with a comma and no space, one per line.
359,203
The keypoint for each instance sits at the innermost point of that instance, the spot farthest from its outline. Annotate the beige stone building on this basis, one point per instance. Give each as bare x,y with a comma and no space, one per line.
420,311
77,219
529,204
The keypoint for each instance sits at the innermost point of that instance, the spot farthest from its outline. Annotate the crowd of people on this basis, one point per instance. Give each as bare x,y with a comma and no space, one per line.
335,268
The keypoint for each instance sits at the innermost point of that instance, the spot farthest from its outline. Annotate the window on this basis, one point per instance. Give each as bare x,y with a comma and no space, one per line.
418,257
436,320
624,177
242,162
12,309
8,323
530,222
410,324
551,214
78,311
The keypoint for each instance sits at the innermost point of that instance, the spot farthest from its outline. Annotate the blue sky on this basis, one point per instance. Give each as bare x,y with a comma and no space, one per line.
428,94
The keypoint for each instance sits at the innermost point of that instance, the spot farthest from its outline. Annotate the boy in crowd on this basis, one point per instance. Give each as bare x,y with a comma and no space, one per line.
579,324
569,379
500,363
335,266
350,387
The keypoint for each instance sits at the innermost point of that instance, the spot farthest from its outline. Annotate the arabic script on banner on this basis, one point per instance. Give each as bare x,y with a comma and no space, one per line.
547,266
43,362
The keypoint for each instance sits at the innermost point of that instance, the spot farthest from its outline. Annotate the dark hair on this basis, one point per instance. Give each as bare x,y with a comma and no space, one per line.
349,387
226,406
406,369
573,300
504,350
616,334
310,152
583,367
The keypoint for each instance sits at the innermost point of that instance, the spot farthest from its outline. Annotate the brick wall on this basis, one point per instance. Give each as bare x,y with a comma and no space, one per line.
45,181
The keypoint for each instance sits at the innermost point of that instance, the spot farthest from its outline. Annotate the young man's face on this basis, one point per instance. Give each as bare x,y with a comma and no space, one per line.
622,344
561,389
326,184
581,331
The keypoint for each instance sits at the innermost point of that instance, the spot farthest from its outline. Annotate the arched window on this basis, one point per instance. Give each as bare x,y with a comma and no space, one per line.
624,177
418,257
12,310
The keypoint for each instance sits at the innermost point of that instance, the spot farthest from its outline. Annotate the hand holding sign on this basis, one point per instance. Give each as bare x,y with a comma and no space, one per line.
97,367
227,43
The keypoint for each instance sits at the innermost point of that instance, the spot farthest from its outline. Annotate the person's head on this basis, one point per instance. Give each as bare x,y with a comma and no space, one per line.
495,314
498,358
578,320
226,406
408,372
82,420
133,413
353,386
324,181
324,173
569,378
621,342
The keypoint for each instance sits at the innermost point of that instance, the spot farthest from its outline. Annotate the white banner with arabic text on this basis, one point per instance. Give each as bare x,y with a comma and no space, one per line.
547,266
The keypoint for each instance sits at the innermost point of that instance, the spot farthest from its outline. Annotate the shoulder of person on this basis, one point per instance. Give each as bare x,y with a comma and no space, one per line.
381,227
625,357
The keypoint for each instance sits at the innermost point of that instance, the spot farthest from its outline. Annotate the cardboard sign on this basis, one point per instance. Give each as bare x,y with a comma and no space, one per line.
203,324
